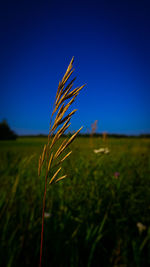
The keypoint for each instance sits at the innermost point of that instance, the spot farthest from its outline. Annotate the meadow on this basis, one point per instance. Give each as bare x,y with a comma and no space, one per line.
98,216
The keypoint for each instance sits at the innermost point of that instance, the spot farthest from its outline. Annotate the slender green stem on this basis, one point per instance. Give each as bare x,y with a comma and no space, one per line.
42,230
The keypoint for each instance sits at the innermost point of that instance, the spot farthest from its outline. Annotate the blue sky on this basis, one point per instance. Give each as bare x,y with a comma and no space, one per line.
110,41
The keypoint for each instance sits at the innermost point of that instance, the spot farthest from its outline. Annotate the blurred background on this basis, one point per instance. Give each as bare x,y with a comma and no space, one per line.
100,214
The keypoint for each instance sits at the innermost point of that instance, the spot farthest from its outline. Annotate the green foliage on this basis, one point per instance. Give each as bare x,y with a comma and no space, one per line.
92,215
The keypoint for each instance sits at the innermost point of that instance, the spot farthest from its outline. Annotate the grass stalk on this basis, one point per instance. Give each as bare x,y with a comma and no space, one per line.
59,123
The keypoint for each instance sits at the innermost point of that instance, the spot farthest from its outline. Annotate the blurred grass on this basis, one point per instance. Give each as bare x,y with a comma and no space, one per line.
93,215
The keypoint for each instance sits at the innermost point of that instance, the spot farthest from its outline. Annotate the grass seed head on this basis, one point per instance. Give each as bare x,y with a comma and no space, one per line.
60,122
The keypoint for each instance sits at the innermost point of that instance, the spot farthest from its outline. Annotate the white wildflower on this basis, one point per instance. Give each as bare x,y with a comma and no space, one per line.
106,150
103,150
141,227
47,215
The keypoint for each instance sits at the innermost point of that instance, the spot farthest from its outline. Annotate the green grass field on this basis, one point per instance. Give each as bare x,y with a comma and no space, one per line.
92,215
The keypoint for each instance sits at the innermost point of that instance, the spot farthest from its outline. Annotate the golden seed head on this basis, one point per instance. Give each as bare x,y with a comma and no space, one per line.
64,94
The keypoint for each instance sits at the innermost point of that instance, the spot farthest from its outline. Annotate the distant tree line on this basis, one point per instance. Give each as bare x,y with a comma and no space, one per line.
5,132
94,135
117,135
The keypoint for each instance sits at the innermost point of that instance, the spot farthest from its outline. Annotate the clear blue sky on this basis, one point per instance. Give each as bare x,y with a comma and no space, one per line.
110,41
